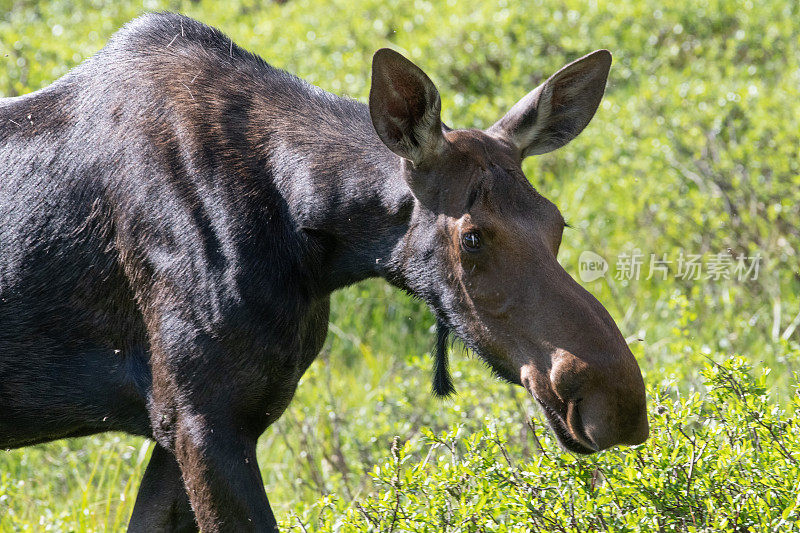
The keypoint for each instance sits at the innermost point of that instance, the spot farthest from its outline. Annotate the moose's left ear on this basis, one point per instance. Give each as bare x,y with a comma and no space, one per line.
555,112
405,107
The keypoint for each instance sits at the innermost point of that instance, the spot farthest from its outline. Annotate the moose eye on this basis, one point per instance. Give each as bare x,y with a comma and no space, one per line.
471,241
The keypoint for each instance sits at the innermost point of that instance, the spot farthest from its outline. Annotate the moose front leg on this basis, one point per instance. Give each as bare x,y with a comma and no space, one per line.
213,394
222,476
209,405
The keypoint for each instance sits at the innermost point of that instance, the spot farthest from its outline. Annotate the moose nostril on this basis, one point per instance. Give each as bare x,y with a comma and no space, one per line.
576,426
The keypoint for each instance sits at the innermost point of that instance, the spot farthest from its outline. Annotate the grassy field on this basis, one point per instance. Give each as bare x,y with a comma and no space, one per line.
693,158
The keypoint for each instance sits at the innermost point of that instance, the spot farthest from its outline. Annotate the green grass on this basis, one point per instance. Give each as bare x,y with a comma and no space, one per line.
695,150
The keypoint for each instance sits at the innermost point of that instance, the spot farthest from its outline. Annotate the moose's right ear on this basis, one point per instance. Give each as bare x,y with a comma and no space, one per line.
405,107
556,111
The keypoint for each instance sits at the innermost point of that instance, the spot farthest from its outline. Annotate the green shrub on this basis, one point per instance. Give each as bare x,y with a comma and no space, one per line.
721,461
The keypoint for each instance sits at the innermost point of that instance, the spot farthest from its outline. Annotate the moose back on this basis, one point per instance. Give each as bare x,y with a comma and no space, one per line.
175,213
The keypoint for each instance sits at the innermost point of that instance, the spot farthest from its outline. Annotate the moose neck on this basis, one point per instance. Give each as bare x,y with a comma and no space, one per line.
347,196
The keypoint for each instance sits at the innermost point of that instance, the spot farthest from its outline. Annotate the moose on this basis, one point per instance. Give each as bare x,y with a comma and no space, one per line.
175,214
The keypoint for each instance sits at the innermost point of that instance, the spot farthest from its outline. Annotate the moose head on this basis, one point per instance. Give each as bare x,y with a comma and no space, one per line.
482,249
